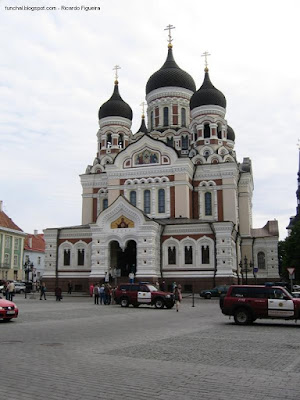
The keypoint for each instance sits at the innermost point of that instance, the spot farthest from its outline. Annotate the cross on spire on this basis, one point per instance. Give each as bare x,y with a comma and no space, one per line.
205,54
116,67
169,28
143,108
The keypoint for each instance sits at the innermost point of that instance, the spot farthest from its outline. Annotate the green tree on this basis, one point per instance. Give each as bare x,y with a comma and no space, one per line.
289,252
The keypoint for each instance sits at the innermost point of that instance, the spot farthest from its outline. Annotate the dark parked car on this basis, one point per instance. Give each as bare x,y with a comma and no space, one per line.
215,292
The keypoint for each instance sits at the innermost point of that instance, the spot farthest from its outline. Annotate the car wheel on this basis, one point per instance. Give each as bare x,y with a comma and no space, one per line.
242,317
124,302
208,295
159,303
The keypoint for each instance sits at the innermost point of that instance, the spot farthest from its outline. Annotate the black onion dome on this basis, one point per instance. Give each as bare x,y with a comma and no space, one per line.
170,75
207,95
115,106
230,133
143,127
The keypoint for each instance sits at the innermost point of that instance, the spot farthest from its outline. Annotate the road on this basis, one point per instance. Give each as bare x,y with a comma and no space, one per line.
77,350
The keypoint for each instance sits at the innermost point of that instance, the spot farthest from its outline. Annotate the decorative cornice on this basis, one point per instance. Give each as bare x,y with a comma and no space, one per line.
168,91
115,121
208,109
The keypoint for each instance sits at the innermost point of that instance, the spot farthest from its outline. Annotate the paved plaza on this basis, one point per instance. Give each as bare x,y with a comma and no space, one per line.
76,350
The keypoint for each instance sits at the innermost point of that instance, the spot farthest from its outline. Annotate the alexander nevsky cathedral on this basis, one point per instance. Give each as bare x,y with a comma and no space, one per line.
170,202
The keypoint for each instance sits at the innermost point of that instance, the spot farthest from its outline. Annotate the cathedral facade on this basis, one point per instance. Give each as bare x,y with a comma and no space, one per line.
170,202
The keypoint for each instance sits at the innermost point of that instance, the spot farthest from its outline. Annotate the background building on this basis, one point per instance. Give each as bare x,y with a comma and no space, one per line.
11,248
34,256
169,202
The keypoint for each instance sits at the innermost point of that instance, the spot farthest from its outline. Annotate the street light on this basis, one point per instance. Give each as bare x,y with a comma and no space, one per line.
28,267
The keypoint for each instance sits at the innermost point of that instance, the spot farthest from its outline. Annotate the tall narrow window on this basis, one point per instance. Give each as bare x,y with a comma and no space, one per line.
108,140
184,142
172,255
188,255
205,254
152,120
206,131
170,142
67,257
208,207
133,197
16,245
261,260
183,117
121,141
161,200
147,202
104,204
195,134
166,116
80,256
156,116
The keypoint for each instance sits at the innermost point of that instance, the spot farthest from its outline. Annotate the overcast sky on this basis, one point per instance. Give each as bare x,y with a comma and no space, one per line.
56,71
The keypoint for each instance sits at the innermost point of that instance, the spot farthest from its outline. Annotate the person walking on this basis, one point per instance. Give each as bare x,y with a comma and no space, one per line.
101,294
43,291
58,293
131,277
96,294
178,297
11,290
70,287
91,289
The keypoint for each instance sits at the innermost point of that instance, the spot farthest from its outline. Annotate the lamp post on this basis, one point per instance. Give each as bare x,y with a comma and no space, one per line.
241,268
28,266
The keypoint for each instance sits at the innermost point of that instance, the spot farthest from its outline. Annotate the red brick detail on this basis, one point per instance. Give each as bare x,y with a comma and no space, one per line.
115,141
122,181
195,205
114,151
213,131
122,192
172,201
60,241
175,109
214,141
200,142
220,205
171,178
175,119
181,237
94,210
96,190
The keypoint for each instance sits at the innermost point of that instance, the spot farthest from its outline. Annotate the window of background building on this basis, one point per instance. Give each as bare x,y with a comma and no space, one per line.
205,254
16,245
188,255
171,255
7,242
261,260
80,256
39,260
15,260
67,257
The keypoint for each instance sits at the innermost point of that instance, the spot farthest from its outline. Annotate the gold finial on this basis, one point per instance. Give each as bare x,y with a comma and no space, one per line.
116,67
205,54
170,40
143,108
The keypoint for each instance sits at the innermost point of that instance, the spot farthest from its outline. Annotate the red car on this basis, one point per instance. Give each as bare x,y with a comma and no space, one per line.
8,310
142,293
246,303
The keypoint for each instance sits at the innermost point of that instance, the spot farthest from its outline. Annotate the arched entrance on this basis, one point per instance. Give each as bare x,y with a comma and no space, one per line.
124,261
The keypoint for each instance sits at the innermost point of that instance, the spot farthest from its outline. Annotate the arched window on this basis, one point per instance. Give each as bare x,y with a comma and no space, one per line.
67,257
133,197
170,142
161,201
188,255
80,257
166,116
261,260
183,117
208,205
147,201
219,133
104,204
152,120
206,131
205,254
195,134
108,140
184,142
121,141
172,255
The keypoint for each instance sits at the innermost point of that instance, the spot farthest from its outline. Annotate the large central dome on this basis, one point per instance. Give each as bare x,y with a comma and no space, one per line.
170,75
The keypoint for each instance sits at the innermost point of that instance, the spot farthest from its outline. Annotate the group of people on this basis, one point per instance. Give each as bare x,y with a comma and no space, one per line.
103,293
9,290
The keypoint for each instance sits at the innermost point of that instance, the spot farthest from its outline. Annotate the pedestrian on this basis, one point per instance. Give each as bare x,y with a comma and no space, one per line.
163,286
178,297
58,293
5,289
70,287
43,291
11,290
131,277
174,284
106,277
91,289
96,293
107,294
101,294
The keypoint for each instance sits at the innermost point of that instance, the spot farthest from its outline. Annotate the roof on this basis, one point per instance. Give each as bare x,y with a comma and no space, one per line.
7,222
170,74
115,106
270,229
35,242
207,95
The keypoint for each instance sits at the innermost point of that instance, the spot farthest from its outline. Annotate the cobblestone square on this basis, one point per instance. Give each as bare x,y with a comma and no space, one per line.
77,350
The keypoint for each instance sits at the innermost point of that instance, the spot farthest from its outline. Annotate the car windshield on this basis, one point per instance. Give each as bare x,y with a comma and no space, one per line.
152,288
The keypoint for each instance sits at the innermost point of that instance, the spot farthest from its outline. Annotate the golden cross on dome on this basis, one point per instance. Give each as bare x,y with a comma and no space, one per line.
143,108
206,54
116,67
169,28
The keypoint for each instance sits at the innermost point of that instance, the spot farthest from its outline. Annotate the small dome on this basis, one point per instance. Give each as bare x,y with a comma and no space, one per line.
115,106
170,75
230,133
207,95
143,127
